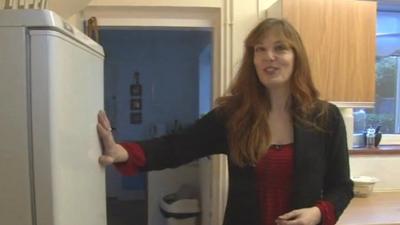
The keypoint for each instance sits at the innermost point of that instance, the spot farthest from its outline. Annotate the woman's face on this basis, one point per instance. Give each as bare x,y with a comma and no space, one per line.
274,61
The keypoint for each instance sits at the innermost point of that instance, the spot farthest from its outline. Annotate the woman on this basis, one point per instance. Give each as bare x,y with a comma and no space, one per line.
287,153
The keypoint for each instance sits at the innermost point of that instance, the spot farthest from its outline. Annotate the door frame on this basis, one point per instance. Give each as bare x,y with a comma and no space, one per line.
190,17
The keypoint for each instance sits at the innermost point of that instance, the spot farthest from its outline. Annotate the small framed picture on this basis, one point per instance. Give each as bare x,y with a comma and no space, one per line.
136,118
136,104
136,90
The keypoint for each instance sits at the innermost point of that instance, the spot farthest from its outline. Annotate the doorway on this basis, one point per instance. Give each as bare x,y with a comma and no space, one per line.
173,67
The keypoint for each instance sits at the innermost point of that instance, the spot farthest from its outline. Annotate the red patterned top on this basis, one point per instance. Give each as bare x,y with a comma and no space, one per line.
275,181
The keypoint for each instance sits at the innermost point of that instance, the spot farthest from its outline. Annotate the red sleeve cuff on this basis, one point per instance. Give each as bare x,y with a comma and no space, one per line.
136,160
327,212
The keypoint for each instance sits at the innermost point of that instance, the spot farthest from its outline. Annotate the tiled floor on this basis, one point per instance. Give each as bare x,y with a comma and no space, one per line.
126,212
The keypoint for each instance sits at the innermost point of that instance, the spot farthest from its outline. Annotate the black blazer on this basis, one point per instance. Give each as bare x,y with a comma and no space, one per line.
321,164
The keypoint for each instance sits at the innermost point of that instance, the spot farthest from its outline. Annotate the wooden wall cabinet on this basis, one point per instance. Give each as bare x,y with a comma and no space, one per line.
339,36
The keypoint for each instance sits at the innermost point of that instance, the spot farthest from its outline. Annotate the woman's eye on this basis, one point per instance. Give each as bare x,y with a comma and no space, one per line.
280,47
258,49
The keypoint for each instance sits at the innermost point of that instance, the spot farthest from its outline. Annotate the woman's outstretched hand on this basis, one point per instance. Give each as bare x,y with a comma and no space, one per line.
112,152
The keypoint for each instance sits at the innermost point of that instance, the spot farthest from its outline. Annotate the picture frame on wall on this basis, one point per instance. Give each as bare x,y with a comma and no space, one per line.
136,90
136,104
136,118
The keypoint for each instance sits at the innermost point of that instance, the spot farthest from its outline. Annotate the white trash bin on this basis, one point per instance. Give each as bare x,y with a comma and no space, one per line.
178,211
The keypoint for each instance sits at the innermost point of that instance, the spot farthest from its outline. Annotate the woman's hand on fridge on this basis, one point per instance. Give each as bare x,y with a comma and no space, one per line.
112,152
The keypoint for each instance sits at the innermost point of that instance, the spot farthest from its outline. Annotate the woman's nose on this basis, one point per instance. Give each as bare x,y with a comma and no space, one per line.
269,55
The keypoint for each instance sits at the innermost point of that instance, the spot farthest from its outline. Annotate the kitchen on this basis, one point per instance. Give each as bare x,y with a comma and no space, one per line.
231,21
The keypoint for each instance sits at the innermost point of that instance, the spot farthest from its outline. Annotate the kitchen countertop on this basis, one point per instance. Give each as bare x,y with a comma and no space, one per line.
380,208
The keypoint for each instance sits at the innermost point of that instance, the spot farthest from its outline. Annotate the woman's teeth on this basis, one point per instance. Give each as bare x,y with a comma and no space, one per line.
270,69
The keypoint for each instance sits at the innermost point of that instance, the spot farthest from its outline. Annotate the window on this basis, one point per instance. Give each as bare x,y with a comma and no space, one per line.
386,113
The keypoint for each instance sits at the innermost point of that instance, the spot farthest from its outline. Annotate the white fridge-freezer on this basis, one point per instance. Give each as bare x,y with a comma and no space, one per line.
51,88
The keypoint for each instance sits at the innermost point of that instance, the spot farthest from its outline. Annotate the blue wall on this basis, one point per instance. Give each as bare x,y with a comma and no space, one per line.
205,83
168,63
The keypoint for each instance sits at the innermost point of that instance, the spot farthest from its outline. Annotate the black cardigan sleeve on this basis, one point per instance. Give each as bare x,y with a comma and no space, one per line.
338,187
206,137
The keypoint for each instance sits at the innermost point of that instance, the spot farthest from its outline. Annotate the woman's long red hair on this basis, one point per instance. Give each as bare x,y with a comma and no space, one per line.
247,104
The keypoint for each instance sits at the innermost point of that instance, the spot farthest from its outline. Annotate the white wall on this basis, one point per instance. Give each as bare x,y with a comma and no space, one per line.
76,20
385,168
245,17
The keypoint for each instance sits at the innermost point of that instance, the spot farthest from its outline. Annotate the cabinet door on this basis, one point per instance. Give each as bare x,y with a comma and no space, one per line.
364,26
339,36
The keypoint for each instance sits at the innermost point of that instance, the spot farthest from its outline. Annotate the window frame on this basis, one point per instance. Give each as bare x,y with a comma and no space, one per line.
393,139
